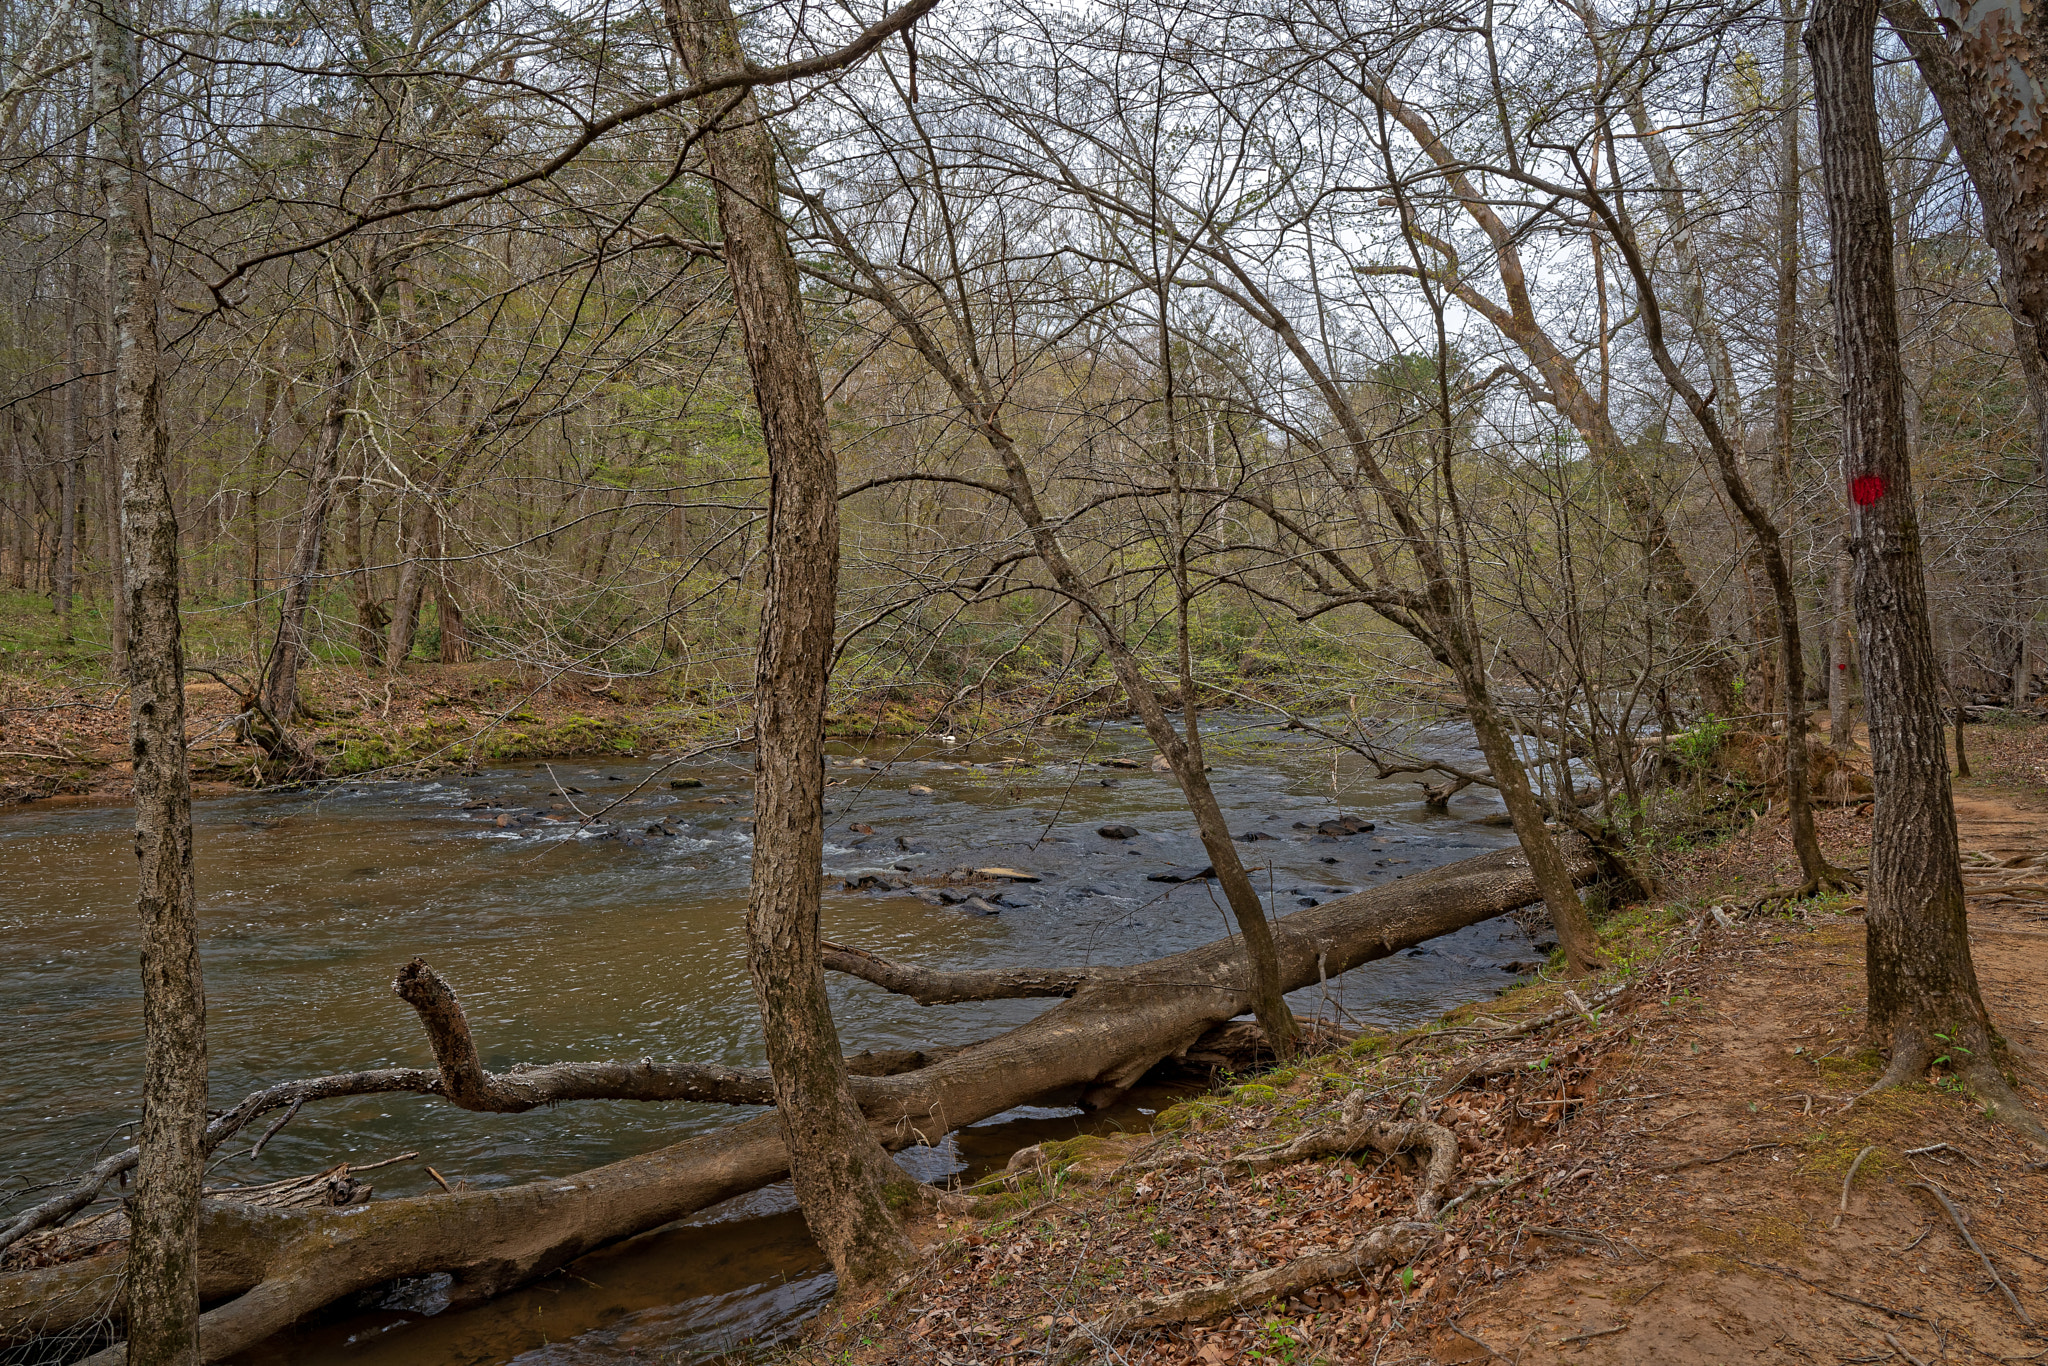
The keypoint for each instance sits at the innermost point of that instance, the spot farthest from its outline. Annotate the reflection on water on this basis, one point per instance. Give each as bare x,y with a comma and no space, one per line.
580,944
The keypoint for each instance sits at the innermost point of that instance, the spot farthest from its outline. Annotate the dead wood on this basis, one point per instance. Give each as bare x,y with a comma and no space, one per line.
462,1080
943,986
1383,1246
285,1264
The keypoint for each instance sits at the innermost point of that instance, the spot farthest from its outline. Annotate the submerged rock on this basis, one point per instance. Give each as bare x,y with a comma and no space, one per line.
1182,874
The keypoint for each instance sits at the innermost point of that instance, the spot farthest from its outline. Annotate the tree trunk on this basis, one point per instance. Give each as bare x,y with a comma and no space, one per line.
110,480
371,617
843,1176
1923,993
412,584
163,1268
1785,349
74,447
1841,650
281,678
1717,421
455,647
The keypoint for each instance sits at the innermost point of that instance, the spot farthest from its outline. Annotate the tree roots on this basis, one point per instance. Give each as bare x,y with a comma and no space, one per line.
1358,1134
1913,1054
1827,881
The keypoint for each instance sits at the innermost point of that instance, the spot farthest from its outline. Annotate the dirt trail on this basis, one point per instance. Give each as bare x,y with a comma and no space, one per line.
1740,1259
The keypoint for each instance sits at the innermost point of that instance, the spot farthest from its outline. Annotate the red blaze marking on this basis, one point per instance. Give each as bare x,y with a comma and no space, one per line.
1843,667
1867,489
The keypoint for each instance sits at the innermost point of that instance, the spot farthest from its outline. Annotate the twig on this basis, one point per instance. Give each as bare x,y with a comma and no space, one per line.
1473,1338
1484,1188
272,1131
1900,1348
1845,1186
1596,1333
1835,1294
1570,1236
442,1179
372,1166
1710,1161
1937,1147
1948,1208
2017,1248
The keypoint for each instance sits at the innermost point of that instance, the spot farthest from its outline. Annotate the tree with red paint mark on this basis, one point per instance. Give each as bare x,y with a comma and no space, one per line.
1924,1003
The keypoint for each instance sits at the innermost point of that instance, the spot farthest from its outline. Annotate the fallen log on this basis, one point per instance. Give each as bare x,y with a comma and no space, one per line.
1113,1027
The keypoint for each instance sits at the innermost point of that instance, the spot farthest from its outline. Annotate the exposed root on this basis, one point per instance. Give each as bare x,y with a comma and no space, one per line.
1827,881
1358,1134
1385,1245
1987,1084
1948,1208
1912,1055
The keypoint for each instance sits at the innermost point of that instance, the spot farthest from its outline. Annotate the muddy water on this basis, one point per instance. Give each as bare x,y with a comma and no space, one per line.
570,943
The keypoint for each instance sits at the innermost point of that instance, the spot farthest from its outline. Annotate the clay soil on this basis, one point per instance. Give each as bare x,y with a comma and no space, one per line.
1677,1163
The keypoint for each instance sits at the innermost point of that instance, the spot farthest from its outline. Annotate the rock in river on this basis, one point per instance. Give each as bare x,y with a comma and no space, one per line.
1119,832
1182,874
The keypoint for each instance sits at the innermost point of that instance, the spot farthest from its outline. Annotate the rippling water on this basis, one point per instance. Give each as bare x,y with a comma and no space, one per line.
568,944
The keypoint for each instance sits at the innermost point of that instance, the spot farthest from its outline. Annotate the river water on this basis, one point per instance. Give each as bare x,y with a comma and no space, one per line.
567,943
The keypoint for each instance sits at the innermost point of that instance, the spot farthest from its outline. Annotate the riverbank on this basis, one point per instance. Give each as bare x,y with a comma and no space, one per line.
69,739
61,736
1660,1177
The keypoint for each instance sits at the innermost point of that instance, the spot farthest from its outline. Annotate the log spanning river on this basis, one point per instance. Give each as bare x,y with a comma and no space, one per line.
569,941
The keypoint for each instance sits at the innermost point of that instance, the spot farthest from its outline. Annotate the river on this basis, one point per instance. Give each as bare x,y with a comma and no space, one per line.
565,943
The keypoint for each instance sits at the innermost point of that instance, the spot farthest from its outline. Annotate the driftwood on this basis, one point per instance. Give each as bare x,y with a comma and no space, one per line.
273,1266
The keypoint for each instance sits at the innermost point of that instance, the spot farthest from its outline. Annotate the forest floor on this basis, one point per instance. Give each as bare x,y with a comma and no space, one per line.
1678,1163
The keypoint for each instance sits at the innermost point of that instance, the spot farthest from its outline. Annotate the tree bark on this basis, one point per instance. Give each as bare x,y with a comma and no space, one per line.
371,616
2006,165
65,580
163,1268
1841,649
1923,992
356,310
1785,338
843,1176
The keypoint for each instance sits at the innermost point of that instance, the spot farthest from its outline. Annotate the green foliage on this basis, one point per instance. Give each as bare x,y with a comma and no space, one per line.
1696,746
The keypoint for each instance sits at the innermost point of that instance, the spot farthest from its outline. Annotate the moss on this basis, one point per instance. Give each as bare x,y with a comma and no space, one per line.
1254,1093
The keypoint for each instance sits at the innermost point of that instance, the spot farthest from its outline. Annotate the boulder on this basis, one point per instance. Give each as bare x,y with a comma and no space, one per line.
1119,832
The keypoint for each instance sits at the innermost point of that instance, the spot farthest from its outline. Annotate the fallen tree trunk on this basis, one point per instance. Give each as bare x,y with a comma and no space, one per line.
1115,1026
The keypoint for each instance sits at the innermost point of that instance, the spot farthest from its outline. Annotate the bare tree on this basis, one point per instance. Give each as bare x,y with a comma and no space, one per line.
1923,993
163,1263
844,1179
